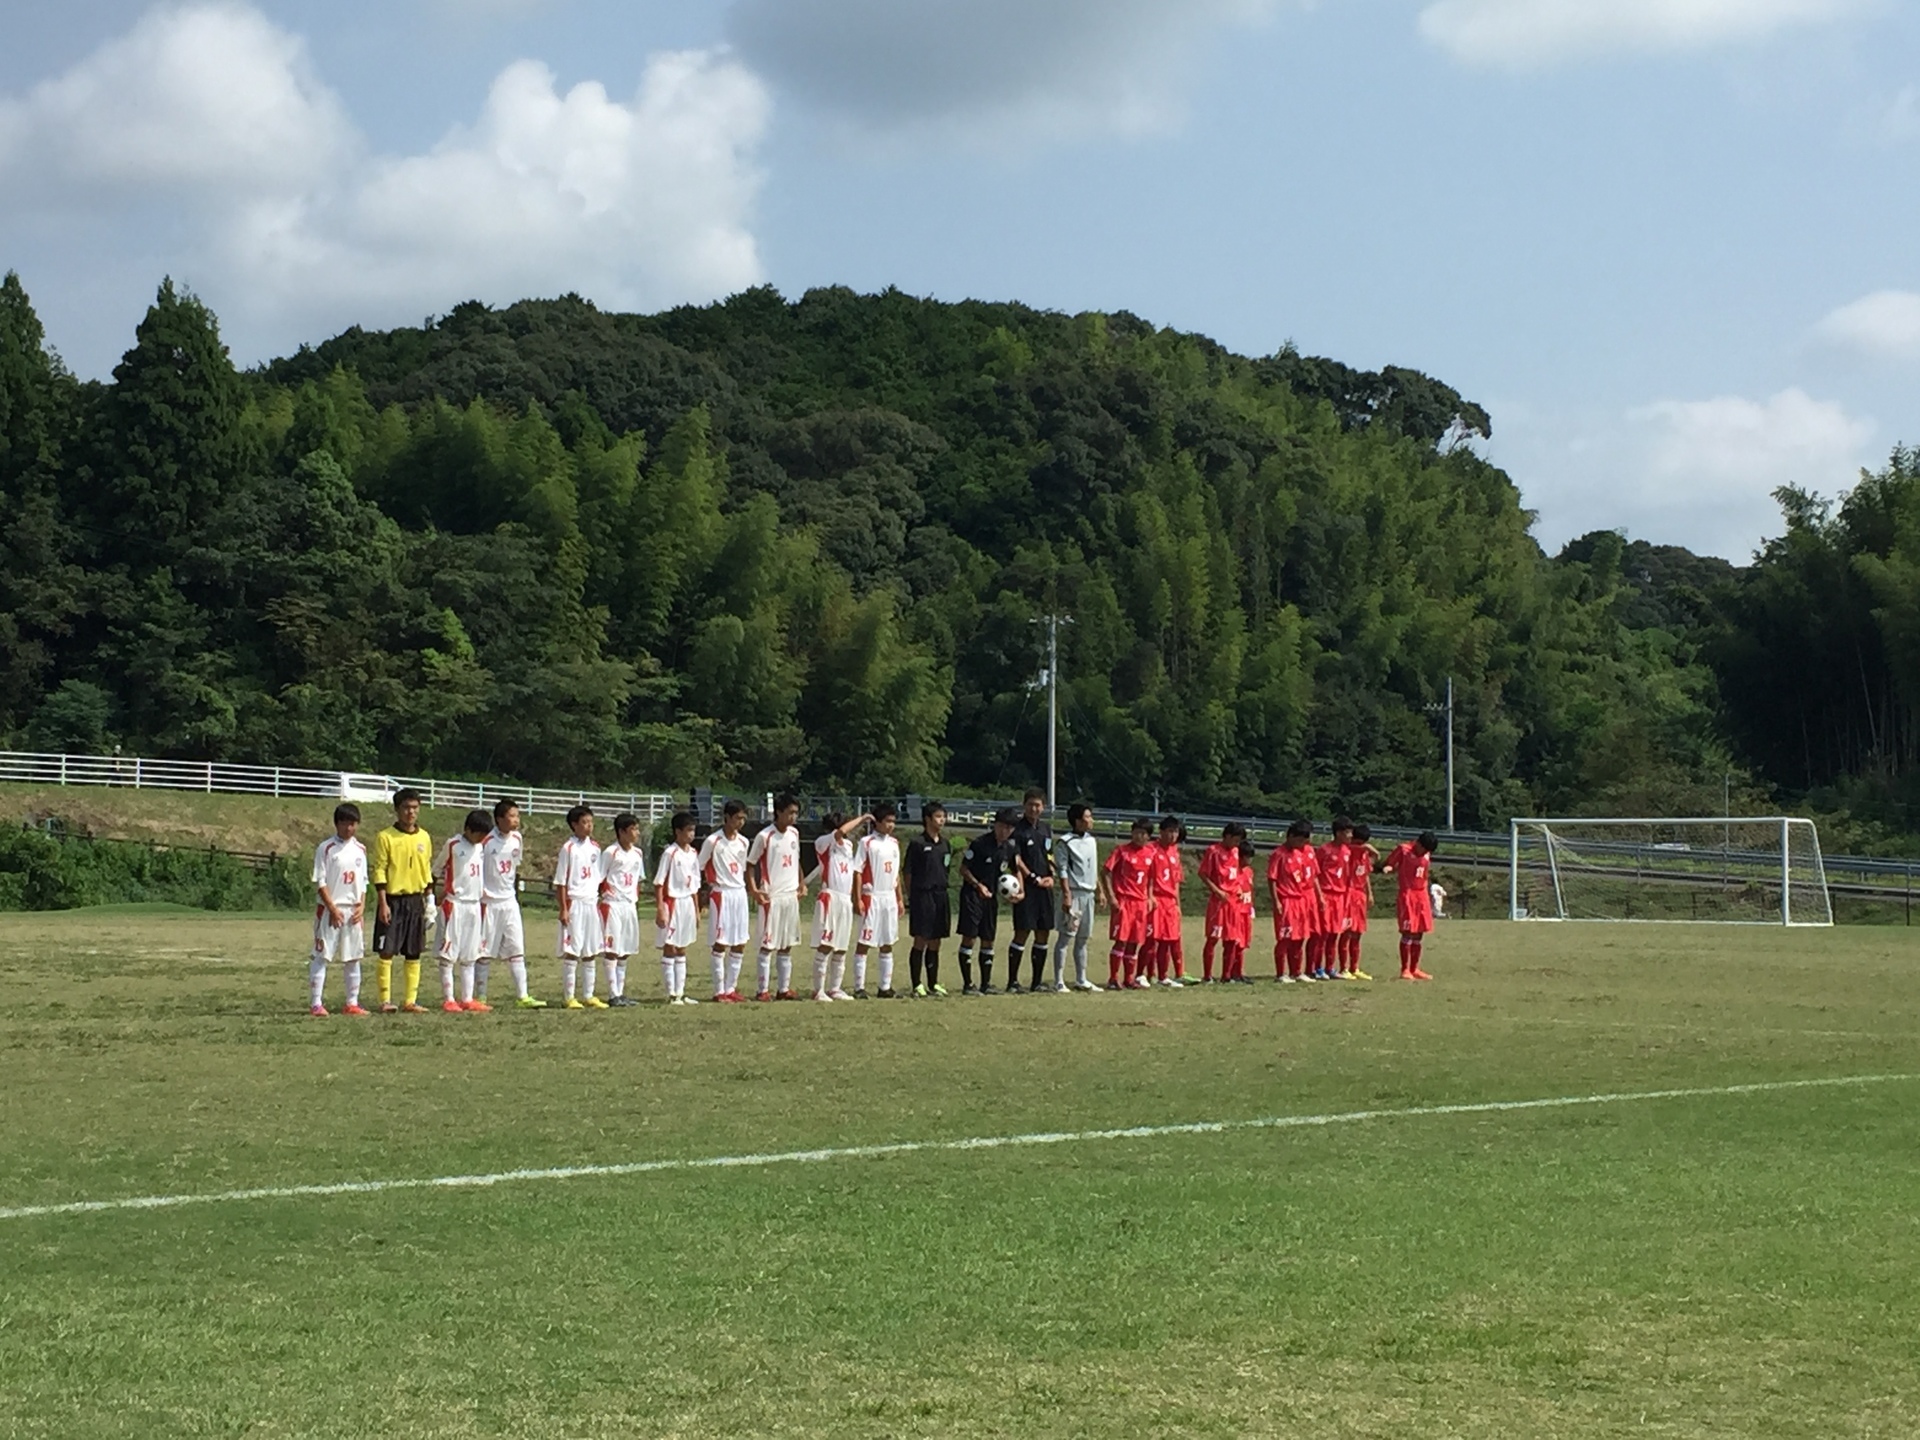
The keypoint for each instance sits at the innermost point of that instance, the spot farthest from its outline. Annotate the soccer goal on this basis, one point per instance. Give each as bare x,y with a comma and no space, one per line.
1726,871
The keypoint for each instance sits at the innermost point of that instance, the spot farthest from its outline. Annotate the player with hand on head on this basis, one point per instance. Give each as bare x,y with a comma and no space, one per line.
1335,858
929,866
877,865
1412,865
834,919
576,885
676,898
503,935
462,883
773,868
1033,912
1077,868
1365,861
723,864
982,865
1220,873
623,870
1127,884
339,914
1293,875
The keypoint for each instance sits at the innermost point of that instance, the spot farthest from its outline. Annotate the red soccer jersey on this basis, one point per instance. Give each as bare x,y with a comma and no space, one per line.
1411,868
1130,872
1336,870
1168,871
1221,866
1295,869
1361,876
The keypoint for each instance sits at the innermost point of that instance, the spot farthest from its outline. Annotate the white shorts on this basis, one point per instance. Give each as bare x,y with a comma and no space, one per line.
502,937
729,919
833,922
780,923
620,928
679,923
460,931
580,936
880,927
337,944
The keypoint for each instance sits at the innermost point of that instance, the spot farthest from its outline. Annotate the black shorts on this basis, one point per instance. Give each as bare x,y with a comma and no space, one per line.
405,934
979,917
929,916
1035,911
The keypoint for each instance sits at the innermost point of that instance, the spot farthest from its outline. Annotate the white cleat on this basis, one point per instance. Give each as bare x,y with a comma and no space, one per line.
823,997
839,995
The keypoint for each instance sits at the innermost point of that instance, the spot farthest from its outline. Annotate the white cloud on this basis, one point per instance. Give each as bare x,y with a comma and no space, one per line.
988,69
293,222
1882,326
1532,34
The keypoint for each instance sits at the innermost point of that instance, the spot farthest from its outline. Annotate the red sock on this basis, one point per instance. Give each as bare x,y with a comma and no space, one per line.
1114,963
1127,959
1406,956
1296,958
1417,946
1279,959
1206,957
1178,950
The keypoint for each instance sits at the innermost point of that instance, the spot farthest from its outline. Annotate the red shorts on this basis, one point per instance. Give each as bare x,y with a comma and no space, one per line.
1361,903
1416,912
1296,919
1164,922
1220,919
1128,925
1239,929
1336,913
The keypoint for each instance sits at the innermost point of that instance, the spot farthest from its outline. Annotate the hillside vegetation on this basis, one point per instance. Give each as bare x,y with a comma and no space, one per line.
766,542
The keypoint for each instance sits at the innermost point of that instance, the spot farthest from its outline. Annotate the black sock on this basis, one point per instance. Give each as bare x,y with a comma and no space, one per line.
1016,952
966,967
1039,963
933,966
986,968
913,965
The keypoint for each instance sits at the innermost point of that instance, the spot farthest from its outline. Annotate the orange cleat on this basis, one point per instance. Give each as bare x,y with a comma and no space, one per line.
387,1007
412,1009
476,1007
764,996
1419,974
353,1010
452,1007
319,1012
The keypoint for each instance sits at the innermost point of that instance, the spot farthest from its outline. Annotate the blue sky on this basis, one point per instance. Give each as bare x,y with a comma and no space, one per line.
1668,243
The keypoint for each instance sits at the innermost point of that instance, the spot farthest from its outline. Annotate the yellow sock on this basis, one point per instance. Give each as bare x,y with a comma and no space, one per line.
385,971
413,982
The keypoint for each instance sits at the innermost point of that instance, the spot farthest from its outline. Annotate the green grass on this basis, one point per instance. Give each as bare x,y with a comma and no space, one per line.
1727,1266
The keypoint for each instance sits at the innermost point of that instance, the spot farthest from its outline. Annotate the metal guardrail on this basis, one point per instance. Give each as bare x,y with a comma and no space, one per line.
217,778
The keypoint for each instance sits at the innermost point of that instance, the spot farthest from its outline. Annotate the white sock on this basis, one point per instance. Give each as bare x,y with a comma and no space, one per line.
860,969
480,978
784,969
766,972
719,973
316,978
588,972
620,977
569,969
612,968
519,968
819,971
836,972
353,982
735,959
680,975
886,969
446,980
467,976
666,975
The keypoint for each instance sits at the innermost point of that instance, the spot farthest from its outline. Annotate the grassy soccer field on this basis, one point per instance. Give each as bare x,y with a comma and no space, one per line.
1709,1265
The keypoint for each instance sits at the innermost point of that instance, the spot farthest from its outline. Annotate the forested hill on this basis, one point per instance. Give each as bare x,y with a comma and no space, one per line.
764,541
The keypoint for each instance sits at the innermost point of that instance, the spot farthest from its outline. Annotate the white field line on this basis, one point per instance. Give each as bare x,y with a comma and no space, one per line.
921,1147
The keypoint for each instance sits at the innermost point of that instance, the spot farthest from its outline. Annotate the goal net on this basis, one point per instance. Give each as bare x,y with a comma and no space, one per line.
1726,871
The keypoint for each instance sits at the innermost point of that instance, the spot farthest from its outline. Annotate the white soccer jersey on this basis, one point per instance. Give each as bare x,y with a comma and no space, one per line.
341,866
777,853
578,868
877,863
502,860
624,871
679,872
462,870
836,863
724,861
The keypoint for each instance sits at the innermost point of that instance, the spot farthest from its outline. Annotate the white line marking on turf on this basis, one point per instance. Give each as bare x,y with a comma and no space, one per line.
924,1147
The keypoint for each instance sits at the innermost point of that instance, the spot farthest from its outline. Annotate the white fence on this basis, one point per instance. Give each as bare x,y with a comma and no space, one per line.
213,778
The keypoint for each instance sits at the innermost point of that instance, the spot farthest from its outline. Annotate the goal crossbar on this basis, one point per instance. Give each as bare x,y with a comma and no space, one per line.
1745,869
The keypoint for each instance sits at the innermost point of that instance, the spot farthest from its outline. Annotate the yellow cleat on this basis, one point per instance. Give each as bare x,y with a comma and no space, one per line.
575,1005
594,1002
1360,975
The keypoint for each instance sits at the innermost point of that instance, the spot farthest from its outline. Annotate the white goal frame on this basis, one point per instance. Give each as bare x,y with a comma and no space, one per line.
1650,858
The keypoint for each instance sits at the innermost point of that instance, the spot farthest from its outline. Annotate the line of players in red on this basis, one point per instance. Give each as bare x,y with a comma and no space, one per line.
1321,897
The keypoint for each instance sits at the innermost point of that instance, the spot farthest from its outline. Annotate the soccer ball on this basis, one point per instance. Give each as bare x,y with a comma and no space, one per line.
1009,885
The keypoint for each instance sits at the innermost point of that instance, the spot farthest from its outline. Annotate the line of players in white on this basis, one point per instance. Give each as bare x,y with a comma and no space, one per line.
477,880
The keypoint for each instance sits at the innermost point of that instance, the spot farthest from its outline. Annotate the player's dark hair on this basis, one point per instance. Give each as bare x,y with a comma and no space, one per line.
785,802
1300,830
884,811
1233,829
684,820
477,820
1076,810
1246,851
627,822
931,809
1008,817
1428,841
1143,826
343,813
832,820
577,814
1362,834
501,807
734,807
406,796
1342,822
1033,793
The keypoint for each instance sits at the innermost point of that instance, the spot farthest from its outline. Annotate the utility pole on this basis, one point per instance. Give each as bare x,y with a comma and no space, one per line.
1053,623
1447,710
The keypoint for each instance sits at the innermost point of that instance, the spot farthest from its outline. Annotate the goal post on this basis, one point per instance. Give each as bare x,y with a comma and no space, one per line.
1725,870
